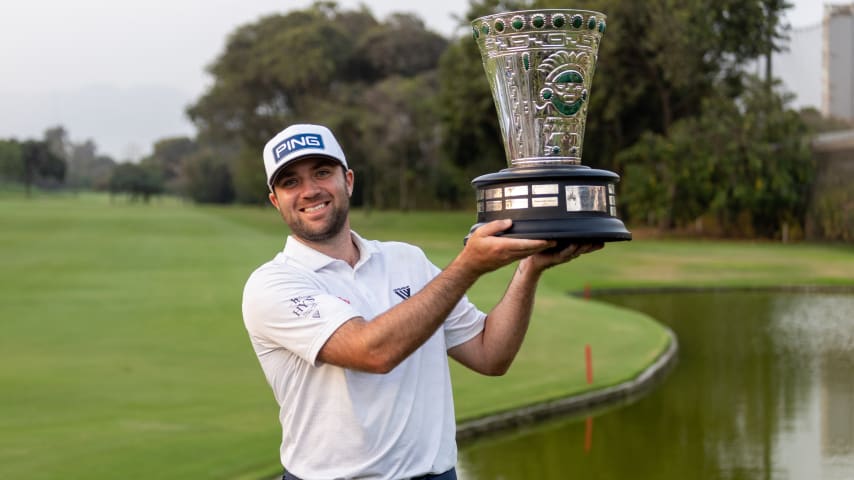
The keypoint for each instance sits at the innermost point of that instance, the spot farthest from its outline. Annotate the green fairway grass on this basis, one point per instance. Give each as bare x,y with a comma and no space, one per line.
124,353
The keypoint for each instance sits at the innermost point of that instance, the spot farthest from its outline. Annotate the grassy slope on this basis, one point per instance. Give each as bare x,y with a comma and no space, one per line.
124,352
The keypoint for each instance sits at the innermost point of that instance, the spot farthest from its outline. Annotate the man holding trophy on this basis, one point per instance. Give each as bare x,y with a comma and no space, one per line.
353,335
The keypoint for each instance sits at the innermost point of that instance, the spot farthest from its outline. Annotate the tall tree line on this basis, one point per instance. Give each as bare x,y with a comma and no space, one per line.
417,120
34,163
672,110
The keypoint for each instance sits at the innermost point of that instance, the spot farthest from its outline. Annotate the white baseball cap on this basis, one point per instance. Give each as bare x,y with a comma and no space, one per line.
300,141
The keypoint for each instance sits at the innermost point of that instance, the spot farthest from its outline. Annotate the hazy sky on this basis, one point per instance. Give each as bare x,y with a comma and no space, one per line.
121,72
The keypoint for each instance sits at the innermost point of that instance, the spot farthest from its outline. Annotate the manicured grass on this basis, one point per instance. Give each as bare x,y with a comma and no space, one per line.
124,353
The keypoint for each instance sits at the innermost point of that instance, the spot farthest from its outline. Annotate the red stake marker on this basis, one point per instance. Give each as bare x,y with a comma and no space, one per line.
588,356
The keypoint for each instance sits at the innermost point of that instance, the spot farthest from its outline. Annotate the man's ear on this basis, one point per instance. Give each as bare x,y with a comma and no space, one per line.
348,177
274,200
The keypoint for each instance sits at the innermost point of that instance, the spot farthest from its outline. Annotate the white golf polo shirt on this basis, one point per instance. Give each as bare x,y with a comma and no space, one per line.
341,423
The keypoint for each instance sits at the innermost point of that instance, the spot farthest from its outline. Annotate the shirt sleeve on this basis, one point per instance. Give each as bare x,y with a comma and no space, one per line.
292,311
463,323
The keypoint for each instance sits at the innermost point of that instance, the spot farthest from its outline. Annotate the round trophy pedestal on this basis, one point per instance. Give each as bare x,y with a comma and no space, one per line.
569,203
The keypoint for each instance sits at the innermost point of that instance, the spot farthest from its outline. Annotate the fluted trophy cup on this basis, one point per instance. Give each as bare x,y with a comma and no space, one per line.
540,65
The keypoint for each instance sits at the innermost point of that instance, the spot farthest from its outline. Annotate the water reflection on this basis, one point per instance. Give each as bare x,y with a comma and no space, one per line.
764,389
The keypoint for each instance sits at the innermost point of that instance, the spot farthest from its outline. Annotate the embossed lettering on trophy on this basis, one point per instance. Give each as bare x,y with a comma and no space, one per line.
540,67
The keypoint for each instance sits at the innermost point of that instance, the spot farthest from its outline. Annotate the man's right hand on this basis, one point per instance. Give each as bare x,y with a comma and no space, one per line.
485,251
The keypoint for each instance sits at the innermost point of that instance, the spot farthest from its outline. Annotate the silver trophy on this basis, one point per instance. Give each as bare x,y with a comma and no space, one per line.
540,65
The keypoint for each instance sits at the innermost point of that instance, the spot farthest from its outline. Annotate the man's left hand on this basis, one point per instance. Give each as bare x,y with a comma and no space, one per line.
551,257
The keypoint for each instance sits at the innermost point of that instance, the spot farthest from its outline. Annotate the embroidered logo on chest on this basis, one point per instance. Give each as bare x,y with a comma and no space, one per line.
402,292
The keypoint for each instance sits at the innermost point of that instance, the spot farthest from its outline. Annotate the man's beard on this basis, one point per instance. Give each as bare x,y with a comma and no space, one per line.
330,230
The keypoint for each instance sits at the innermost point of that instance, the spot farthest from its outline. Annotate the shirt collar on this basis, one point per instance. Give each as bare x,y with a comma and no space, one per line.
314,260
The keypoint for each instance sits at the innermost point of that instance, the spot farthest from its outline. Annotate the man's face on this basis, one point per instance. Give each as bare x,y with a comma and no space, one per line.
313,198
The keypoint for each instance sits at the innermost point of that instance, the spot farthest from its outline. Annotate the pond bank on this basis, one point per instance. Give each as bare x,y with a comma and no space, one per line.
623,392
722,288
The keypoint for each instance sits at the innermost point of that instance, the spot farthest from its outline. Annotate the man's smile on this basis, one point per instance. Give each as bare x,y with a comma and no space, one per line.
316,208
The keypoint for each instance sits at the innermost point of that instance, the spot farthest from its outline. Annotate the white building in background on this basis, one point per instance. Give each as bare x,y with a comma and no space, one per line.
838,61
818,64
800,66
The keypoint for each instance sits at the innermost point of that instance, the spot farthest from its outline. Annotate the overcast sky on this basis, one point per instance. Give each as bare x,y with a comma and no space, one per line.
121,72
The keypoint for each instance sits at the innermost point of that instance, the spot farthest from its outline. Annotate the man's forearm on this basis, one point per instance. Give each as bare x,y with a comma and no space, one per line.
396,333
493,351
508,321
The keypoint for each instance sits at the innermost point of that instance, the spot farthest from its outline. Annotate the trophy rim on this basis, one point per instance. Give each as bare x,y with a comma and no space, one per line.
541,11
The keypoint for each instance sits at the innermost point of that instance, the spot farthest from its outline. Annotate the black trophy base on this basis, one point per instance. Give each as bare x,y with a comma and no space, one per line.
571,204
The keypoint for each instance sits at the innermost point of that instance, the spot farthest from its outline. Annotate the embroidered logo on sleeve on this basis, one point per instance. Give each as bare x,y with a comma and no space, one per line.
402,292
305,306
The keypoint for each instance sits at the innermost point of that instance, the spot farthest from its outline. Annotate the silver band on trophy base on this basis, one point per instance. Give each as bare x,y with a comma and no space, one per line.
540,65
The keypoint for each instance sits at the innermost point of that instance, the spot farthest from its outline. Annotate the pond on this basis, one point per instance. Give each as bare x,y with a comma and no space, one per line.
763,389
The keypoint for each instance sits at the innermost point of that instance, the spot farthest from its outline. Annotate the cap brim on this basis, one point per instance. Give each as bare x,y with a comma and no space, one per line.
307,156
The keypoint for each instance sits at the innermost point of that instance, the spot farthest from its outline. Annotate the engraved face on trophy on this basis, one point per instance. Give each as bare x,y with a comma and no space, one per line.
540,66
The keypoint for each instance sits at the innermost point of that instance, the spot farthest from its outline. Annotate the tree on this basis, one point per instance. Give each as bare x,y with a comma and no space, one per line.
281,69
775,32
744,162
248,178
58,142
320,65
209,178
87,169
137,181
402,133
401,46
273,71
167,158
41,165
11,161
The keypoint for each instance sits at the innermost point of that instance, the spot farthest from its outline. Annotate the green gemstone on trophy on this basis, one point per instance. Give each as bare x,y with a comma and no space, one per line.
518,23
591,23
602,26
475,33
526,61
538,21
567,109
558,21
577,21
569,77
499,26
555,150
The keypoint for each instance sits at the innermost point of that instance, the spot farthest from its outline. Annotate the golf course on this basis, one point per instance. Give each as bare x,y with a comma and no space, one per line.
124,353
